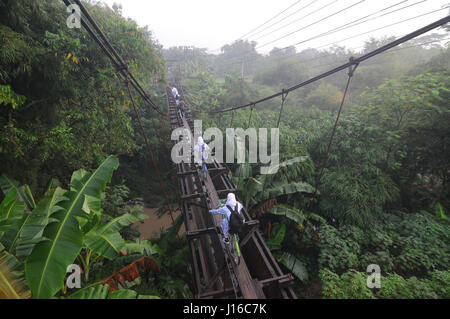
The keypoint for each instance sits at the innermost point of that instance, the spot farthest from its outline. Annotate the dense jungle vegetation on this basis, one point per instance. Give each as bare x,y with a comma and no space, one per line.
75,175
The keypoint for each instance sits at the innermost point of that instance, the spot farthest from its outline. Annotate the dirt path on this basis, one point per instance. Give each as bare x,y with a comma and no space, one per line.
152,226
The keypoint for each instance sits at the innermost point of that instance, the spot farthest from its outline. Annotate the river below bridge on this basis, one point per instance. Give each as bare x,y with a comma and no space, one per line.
152,226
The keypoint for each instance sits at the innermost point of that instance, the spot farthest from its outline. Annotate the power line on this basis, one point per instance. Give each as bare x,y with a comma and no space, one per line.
351,63
353,23
314,23
309,4
270,19
216,50
329,16
377,29
384,27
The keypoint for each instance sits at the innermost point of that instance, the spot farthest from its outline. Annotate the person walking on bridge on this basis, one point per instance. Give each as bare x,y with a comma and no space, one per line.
181,108
231,207
175,93
201,151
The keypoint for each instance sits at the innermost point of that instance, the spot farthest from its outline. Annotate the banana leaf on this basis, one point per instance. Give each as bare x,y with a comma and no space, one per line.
45,267
23,192
106,240
12,218
288,261
102,292
289,212
34,225
12,283
142,246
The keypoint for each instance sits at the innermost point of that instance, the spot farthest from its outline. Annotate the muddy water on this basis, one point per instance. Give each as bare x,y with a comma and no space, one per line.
152,226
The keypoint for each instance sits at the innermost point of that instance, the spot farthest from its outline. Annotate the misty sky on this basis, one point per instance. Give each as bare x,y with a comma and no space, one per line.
213,23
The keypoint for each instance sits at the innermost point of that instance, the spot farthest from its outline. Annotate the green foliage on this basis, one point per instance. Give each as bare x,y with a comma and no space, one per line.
276,237
23,192
336,253
12,281
325,96
9,97
102,292
73,99
46,266
236,91
69,225
143,247
407,244
294,264
173,282
440,282
105,239
439,211
283,180
351,285
395,286
283,74
38,219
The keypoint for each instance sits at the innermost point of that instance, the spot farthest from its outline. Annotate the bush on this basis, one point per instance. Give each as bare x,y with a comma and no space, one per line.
351,285
336,253
440,282
394,287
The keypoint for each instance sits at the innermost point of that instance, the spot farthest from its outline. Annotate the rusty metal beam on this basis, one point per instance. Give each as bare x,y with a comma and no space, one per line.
280,280
217,293
200,232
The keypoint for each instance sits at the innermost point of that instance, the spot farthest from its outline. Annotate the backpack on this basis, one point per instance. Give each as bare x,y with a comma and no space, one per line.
236,220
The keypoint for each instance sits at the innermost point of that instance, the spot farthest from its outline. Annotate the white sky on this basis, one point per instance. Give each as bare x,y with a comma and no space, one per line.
214,23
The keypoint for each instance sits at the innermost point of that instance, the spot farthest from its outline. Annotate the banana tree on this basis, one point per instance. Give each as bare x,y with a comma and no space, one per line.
296,215
274,240
293,264
285,180
104,240
23,193
62,236
12,217
63,227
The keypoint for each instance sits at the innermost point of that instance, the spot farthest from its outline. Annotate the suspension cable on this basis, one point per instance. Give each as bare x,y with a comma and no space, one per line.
232,118
250,116
283,98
